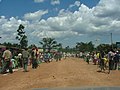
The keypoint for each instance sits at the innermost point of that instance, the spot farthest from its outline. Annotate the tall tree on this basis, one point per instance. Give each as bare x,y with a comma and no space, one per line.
85,46
104,47
23,41
49,43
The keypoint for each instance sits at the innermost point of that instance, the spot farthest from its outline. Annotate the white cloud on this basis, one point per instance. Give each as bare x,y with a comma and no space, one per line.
38,1
2,20
101,19
77,3
89,21
35,15
54,2
107,8
8,28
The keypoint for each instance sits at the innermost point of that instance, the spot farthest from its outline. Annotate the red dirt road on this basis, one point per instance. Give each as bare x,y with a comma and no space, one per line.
71,72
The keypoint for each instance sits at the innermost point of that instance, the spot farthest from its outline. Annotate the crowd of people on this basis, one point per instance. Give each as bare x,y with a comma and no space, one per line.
103,60
25,57
33,57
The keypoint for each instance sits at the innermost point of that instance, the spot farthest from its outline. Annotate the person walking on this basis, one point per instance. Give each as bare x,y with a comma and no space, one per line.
7,55
25,56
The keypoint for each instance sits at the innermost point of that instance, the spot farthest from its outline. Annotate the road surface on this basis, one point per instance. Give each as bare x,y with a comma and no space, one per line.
71,72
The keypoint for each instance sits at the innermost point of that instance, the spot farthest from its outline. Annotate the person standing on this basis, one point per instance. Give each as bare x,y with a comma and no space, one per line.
20,60
25,56
116,60
88,57
102,55
95,58
56,56
7,55
46,57
98,58
110,57
34,57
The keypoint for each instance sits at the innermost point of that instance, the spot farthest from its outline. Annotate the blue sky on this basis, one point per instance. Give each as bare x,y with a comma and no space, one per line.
18,8
68,21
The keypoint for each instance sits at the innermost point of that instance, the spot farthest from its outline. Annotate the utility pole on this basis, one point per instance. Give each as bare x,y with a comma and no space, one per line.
111,40
0,38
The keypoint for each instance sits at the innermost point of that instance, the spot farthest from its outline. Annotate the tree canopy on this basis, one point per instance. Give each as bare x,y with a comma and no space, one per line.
85,46
50,43
22,37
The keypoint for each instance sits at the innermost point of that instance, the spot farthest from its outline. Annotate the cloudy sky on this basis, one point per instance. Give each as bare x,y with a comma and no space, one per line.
68,21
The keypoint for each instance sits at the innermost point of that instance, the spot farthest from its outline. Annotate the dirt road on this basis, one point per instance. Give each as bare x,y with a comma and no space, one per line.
71,72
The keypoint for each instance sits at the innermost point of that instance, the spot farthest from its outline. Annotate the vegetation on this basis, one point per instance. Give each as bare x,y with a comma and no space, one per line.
85,46
22,37
9,45
68,49
106,47
31,46
49,43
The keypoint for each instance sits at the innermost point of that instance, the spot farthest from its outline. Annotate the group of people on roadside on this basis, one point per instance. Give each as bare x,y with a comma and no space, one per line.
112,58
8,61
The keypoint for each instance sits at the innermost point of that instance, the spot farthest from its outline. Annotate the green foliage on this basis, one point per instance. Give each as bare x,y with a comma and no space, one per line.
8,44
31,46
67,49
22,37
49,43
106,47
85,46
